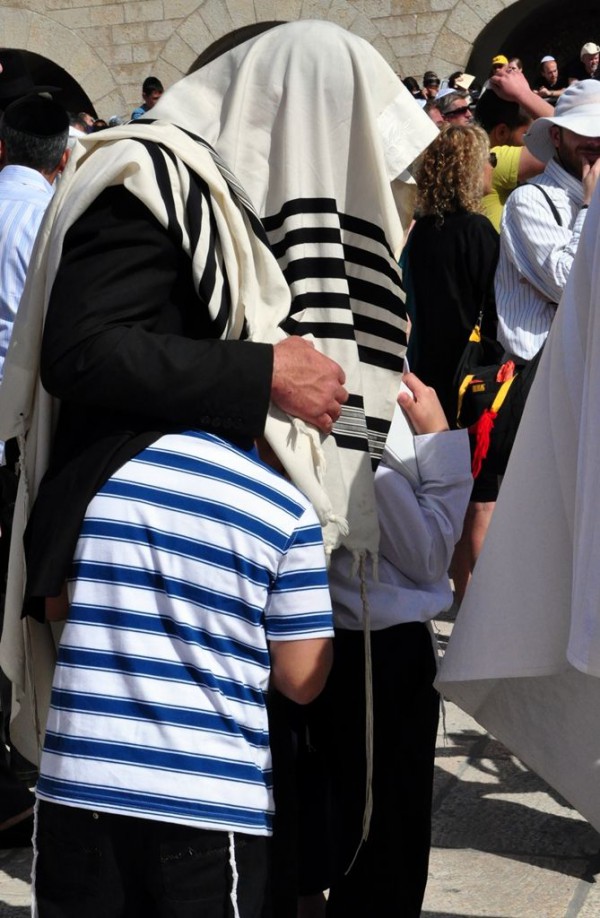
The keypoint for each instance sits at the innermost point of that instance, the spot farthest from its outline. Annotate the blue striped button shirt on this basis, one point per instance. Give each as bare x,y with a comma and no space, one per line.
536,255
24,197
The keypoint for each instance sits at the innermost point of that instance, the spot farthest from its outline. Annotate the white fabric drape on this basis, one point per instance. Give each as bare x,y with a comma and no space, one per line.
316,126
524,658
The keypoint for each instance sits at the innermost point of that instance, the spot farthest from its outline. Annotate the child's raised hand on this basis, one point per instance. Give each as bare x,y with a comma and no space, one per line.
423,409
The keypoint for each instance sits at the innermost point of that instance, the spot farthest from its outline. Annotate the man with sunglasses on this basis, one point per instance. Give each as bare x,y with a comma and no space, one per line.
454,107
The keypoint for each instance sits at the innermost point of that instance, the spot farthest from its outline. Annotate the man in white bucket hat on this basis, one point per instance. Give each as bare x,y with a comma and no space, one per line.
588,67
543,220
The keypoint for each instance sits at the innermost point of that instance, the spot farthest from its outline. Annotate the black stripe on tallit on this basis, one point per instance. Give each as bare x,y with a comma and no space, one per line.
365,228
237,192
157,152
328,235
301,268
199,194
340,331
377,263
193,207
318,299
299,206
384,359
379,329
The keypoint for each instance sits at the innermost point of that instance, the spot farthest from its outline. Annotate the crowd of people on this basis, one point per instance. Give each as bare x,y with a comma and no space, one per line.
233,470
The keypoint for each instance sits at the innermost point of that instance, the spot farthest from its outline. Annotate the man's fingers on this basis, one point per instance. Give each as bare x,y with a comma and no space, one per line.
341,395
324,423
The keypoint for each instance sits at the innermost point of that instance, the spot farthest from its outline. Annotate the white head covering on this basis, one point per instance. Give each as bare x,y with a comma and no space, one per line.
590,47
578,110
316,125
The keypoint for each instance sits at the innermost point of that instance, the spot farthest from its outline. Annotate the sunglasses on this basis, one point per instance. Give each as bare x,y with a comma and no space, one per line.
457,111
493,160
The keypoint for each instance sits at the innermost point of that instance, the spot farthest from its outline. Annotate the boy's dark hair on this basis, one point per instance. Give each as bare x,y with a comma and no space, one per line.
152,84
491,111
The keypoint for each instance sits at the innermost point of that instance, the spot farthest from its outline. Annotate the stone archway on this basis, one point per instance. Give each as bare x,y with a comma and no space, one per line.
210,22
57,50
532,28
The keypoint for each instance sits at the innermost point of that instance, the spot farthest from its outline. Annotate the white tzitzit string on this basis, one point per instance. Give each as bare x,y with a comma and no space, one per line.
369,722
234,875
34,908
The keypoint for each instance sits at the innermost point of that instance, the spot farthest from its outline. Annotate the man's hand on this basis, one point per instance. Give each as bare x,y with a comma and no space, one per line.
512,86
307,384
589,179
423,410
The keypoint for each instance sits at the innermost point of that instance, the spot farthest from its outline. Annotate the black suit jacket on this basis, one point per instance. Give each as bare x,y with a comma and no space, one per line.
127,349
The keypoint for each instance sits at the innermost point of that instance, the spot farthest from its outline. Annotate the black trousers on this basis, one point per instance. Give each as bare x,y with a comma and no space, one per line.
389,874
98,865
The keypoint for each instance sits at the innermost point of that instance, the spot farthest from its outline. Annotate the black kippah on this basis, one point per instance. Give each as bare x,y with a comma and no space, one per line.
37,116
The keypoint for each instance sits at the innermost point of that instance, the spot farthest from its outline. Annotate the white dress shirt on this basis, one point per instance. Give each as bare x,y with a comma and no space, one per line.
536,255
420,523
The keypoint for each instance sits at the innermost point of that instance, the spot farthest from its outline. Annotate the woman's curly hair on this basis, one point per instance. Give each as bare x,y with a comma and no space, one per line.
450,177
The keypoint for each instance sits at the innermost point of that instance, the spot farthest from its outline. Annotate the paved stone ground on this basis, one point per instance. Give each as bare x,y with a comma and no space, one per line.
504,844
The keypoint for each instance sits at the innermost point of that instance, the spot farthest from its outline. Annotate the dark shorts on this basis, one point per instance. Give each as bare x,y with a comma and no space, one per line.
102,865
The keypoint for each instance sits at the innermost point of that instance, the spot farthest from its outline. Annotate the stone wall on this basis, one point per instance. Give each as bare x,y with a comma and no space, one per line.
110,47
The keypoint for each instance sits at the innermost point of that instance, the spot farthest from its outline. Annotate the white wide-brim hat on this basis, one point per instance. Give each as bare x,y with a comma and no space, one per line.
578,110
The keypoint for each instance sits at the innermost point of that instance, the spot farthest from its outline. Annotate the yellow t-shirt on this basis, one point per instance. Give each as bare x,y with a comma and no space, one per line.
504,180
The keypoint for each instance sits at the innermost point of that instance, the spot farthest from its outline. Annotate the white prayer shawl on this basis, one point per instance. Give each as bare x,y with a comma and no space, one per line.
524,657
316,126
379,131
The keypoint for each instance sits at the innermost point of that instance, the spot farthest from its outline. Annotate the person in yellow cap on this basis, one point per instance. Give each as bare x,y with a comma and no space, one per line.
499,62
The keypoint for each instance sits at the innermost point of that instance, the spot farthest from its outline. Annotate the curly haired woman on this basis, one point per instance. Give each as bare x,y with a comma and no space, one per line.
449,265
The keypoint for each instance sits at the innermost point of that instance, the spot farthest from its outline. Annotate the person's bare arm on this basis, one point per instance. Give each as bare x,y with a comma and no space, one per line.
512,86
306,384
529,165
299,669
549,93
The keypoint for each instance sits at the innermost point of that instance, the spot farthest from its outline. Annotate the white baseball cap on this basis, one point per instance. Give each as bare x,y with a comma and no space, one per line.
590,47
578,110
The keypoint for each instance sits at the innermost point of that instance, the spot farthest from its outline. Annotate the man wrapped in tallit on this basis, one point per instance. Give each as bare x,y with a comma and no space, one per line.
372,133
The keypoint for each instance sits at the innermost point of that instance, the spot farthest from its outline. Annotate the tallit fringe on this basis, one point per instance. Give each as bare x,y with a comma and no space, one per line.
234,876
439,656
22,442
34,908
298,429
369,722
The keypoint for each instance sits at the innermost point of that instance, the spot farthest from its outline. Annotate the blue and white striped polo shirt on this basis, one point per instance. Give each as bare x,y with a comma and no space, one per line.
190,558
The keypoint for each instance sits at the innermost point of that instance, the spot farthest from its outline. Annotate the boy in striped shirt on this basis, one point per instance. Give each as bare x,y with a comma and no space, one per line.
198,581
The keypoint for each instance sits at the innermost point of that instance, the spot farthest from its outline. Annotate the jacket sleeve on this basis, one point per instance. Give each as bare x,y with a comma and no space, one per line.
126,330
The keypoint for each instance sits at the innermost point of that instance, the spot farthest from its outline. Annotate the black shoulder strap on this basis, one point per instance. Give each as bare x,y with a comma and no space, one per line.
551,203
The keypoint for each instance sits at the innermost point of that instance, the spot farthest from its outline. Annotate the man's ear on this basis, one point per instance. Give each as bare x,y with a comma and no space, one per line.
555,135
499,135
2,154
51,176
64,160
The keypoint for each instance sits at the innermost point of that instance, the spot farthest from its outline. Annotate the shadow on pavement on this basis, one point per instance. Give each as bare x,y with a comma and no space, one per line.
510,812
